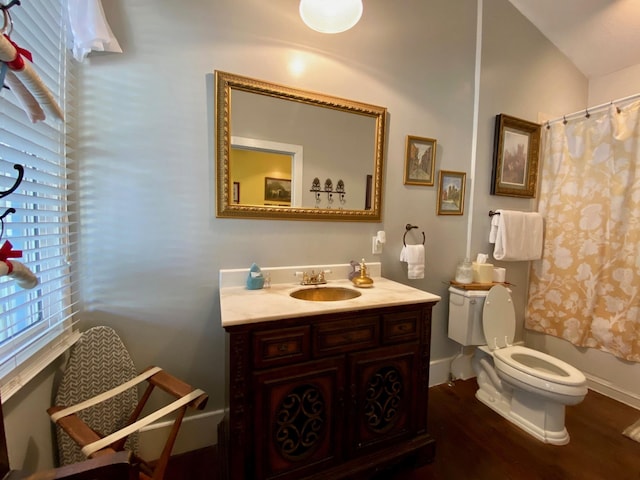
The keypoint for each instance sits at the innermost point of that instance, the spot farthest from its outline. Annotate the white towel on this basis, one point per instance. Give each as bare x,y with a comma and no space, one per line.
519,236
414,256
493,234
90,29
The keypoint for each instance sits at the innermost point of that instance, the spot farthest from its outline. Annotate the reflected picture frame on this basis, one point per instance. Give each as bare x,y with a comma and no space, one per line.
451,191
420,161
236,192
515,157
277,190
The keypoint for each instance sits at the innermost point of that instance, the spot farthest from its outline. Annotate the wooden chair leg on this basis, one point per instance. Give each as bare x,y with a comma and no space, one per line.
163,461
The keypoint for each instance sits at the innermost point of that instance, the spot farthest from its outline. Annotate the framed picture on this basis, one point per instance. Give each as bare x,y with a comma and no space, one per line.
515,157
367,192
236,192
451,193
419,161
277,189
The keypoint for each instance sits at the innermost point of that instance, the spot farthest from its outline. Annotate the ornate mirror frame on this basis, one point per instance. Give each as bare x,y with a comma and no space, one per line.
225,84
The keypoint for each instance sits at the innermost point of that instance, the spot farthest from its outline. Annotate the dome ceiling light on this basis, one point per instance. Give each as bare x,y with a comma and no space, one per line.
330,16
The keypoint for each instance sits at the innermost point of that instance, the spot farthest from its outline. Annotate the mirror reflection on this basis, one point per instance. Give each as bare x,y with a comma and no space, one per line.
288,153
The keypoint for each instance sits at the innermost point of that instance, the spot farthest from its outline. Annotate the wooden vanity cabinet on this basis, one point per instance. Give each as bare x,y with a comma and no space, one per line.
327,396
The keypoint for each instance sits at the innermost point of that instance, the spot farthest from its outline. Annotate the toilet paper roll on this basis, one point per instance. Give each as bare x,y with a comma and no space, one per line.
499,274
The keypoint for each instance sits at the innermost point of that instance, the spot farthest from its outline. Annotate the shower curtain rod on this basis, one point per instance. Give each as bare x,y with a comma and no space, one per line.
587,111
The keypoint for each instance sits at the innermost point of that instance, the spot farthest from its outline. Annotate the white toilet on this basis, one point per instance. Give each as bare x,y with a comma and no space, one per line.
527,387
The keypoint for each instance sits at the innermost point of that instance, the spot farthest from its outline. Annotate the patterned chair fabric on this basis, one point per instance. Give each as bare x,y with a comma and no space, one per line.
98,362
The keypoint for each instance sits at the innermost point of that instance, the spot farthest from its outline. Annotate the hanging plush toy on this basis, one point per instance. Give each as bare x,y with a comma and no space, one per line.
22,79
23,276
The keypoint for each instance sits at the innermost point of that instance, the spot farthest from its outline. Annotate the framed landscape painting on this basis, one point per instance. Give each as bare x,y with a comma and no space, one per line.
419,161
451,193
515,157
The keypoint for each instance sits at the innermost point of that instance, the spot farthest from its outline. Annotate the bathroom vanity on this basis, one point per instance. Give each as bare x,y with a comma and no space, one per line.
325,389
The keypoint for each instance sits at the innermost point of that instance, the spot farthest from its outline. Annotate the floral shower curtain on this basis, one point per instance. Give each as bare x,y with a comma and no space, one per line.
586,287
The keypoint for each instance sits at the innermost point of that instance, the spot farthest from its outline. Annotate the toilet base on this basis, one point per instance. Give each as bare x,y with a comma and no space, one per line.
537,413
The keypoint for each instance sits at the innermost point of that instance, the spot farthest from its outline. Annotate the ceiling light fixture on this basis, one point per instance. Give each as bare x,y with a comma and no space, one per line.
330,16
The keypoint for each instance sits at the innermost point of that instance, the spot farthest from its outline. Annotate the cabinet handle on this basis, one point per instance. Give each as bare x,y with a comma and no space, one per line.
403,327
283,347
348,337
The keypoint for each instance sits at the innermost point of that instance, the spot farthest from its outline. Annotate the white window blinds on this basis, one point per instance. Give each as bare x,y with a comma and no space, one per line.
36,324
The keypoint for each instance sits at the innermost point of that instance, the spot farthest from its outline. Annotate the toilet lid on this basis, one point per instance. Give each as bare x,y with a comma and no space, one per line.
498,318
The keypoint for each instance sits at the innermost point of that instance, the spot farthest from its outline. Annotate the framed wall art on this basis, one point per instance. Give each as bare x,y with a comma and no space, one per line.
236,192
277,189
515,157
419,161
451,192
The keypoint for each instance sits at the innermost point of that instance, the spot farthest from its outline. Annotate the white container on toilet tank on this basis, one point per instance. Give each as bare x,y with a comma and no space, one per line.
465,316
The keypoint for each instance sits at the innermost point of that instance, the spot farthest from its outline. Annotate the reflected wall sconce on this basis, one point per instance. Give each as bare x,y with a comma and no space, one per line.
330,16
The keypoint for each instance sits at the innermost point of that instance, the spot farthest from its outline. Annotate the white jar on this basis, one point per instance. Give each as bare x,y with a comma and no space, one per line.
464,272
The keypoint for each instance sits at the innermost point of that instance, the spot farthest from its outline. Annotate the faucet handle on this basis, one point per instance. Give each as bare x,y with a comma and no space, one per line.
304,275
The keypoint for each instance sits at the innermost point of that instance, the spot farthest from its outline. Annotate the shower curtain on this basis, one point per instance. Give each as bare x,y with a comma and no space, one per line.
586,287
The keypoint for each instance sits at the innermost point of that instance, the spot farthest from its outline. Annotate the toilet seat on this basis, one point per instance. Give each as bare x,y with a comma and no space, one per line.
562,393
544,367
541,370
537,369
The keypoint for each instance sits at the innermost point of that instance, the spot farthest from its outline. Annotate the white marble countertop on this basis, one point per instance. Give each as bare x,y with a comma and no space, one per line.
240,306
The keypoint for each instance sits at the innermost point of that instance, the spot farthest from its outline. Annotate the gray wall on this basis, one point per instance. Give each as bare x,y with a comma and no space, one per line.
151,247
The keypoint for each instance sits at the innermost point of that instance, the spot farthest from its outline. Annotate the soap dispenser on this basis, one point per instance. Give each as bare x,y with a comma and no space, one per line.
363,281
255,279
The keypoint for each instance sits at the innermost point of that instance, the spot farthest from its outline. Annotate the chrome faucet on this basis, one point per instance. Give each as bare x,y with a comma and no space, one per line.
313,278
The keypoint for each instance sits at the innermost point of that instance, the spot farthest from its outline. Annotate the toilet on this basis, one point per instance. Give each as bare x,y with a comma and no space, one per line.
527,387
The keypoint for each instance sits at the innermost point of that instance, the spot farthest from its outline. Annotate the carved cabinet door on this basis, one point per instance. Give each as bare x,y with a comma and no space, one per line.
299,417
383,400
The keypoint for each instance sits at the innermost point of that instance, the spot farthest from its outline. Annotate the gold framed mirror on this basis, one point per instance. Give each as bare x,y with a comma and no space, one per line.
286,153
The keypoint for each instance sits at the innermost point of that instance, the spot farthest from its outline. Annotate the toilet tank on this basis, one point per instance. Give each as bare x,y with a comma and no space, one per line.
465,316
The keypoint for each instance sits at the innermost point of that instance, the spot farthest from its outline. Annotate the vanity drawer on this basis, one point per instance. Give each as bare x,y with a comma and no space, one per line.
275,347
346,335
401,327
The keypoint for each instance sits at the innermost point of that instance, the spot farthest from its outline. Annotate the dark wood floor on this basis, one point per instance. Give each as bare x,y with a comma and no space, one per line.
475,443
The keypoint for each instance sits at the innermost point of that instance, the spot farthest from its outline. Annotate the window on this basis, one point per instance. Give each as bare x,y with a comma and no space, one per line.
36,325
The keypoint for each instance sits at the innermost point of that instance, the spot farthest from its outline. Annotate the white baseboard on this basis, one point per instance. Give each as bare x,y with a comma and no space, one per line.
197,431
606,388
439,371
446,369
